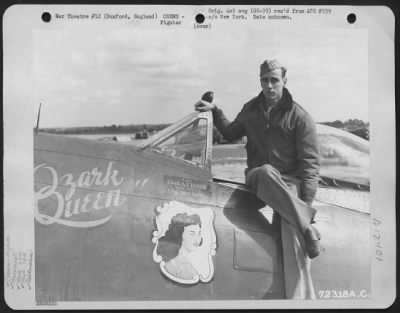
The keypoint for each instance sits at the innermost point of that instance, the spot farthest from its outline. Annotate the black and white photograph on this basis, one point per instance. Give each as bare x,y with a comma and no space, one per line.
189,157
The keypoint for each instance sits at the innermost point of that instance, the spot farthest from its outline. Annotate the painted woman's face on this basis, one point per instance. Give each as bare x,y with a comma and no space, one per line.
191,237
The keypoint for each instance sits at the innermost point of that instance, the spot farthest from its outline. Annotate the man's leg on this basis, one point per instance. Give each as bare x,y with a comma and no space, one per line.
296,264
269,186
296,217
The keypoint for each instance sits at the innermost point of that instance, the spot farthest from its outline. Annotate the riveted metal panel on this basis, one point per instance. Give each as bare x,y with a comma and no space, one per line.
256,252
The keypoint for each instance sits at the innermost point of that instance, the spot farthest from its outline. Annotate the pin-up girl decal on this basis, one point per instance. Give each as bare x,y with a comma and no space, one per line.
185,243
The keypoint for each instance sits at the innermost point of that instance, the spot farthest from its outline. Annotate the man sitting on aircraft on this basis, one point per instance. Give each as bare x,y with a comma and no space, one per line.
282,151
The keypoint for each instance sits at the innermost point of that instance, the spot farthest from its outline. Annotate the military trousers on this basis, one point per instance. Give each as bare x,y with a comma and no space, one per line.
280,193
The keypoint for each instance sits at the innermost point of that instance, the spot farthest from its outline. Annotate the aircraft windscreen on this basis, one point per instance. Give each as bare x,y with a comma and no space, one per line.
188,143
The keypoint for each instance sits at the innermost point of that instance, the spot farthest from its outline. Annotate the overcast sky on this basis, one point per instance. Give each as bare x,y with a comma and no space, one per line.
137,75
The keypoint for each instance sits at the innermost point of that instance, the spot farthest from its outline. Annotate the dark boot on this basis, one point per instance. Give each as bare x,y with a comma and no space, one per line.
313,244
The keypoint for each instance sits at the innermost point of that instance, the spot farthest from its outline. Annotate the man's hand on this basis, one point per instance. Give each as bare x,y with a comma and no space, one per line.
204,106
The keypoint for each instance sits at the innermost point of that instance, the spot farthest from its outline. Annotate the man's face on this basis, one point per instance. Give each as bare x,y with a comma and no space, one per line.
272,85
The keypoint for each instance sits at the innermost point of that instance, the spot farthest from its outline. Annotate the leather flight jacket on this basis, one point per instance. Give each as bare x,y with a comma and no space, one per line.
286,138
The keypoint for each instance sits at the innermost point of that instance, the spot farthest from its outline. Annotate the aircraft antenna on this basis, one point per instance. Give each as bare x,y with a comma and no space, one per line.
38,118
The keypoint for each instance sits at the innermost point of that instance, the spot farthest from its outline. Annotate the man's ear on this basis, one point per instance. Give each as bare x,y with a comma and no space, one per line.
285,81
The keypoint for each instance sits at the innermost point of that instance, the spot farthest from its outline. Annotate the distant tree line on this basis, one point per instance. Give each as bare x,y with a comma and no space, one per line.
349,124
355,126
113,129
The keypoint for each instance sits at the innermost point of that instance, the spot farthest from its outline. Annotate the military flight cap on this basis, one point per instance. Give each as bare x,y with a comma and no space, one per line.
268,66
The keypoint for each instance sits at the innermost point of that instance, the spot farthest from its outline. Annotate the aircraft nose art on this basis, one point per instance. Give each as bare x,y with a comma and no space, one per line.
190,261
76,191
81,184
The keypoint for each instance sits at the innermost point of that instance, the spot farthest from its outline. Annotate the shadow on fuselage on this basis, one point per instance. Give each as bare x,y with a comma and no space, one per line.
257,241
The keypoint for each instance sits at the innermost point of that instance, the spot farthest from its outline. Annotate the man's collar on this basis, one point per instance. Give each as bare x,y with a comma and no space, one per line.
285,104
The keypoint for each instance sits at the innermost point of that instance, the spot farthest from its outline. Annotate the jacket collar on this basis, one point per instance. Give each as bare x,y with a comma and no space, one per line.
285,104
